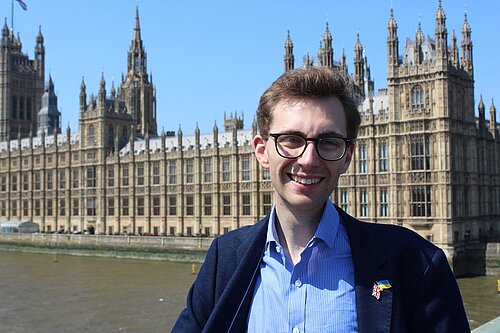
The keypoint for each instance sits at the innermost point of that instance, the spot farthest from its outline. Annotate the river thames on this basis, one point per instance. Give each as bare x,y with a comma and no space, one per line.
93,294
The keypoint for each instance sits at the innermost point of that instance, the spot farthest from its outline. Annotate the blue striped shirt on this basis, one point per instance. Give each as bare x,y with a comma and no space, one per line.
315,295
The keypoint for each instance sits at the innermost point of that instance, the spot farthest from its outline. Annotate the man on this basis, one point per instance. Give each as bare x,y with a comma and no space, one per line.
308,266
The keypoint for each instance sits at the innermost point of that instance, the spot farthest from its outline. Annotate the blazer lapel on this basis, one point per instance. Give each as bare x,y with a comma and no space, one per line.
374,315
231,311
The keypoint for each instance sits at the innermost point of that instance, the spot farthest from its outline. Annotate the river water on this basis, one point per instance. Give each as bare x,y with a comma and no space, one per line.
89,294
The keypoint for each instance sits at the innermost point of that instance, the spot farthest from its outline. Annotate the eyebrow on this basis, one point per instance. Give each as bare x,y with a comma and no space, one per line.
320,135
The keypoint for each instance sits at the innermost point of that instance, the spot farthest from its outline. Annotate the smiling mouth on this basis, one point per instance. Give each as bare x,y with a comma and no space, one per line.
305,181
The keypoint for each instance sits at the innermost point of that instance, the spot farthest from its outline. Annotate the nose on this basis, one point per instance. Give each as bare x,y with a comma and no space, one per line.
310,156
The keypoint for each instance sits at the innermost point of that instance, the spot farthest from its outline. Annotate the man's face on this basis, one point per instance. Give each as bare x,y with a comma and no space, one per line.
306,182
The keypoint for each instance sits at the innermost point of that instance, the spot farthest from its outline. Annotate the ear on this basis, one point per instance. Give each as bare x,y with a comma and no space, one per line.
260,150
348,157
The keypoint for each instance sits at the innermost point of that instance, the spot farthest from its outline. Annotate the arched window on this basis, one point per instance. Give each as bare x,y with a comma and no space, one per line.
136,62
28,108
111,135
124,133
14,107
417,97
91,135
21,107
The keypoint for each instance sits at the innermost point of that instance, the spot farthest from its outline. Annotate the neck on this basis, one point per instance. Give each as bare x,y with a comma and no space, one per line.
295,229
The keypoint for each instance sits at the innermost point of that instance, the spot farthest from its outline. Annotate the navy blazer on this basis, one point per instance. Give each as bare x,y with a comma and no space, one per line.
424,296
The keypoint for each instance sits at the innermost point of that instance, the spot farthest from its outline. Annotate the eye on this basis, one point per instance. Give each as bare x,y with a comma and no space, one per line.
291,141
331,143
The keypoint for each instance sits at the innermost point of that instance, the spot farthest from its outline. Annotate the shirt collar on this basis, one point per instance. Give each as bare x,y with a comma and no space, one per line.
327,228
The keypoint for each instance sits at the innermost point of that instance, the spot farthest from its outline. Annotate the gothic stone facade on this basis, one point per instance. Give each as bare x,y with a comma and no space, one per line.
423,160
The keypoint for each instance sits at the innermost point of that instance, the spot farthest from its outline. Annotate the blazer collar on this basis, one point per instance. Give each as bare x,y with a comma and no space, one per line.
368,255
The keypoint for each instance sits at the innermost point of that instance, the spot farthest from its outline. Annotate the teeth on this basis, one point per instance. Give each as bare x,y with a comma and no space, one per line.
305,181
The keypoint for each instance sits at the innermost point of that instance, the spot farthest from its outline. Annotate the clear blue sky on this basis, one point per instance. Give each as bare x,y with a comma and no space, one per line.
211,57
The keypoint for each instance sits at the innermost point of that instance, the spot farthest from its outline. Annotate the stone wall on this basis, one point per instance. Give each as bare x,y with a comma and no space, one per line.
477,258
149,247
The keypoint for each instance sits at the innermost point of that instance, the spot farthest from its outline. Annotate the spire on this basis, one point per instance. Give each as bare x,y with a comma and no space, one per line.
197,137
454,51
136,54
39,37
179,139
327,50
5,30
358,65
420,35
493,119
480,110
82,85
113,90
343,63
392,45
481,106
327,37
419,40
51,83
467,46
102,90
289,59
440,12
441,34
83,96
137,29
197,130
307,61
392,22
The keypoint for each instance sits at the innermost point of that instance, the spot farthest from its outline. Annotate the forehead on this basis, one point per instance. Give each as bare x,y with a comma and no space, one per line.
309,116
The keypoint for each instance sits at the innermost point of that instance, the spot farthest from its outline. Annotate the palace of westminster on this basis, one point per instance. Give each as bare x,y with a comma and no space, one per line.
423,160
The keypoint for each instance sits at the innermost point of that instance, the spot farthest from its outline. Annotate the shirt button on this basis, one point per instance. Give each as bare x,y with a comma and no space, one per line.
278,249
298,283
295,330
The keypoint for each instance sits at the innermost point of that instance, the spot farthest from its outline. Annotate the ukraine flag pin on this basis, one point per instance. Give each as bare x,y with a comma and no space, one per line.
379,287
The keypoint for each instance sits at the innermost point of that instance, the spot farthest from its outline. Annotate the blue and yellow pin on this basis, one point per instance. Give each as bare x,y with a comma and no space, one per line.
379,287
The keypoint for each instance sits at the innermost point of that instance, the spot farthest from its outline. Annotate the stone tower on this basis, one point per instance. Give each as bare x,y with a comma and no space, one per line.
21,86
112,117
137,89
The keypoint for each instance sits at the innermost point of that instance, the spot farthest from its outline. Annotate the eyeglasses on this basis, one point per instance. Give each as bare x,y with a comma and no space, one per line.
329,148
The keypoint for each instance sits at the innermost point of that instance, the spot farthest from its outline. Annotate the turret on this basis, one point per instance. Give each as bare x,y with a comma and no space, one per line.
343,64
83,96
480,110
419,40
179,139
113,91
40,54
441,36
467,47
197,137
5,32
454,51
101,97
493,120
358,65
327,50
289,59
392,46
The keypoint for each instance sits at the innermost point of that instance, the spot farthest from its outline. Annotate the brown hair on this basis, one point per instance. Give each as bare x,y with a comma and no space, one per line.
312,82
